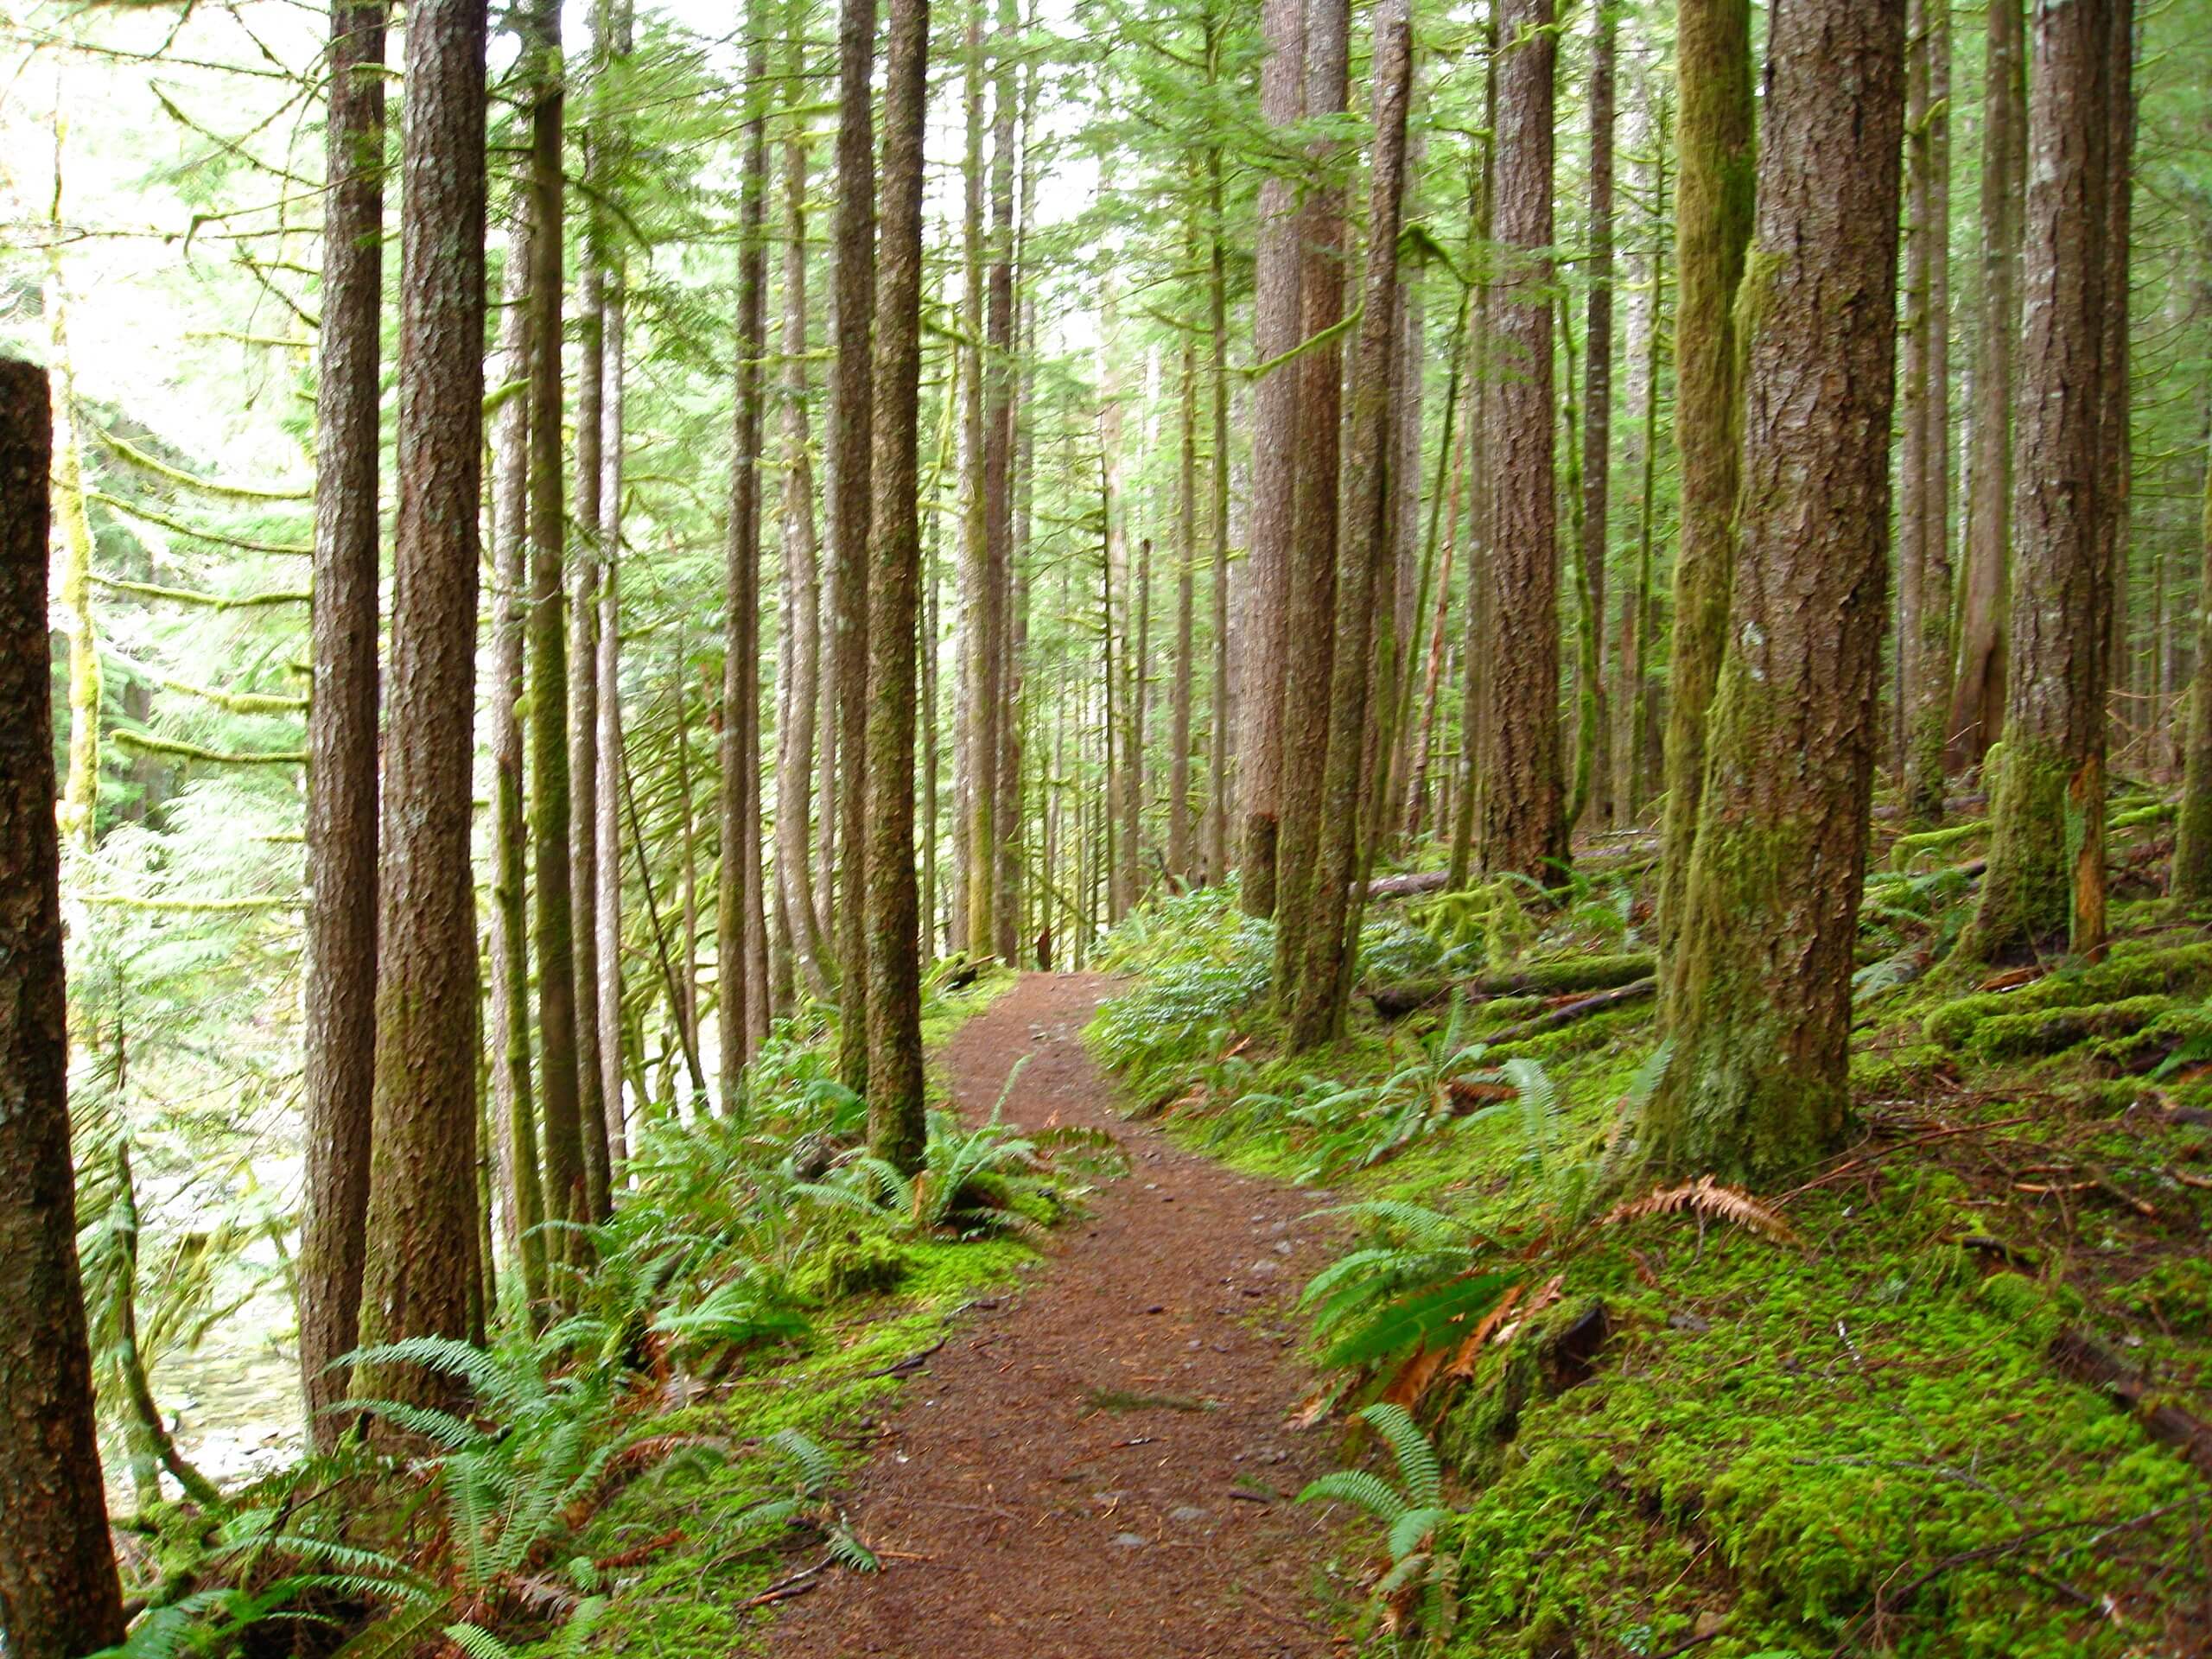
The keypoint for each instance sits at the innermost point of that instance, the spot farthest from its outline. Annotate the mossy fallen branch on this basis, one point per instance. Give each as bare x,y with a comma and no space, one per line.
2051,1031
181,751
145,463
206,601
2178,971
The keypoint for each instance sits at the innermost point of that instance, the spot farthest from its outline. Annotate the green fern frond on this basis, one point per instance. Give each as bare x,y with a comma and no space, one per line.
1418,1469
1410,1532
394,1636
815,1467
477,1643
850,1553
1429,1317
1362,1487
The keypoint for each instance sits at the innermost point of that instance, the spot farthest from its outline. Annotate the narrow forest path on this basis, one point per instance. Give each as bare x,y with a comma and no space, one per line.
1099,1464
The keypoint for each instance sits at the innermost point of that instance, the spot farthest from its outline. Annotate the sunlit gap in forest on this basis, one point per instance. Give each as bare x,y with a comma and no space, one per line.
1105,826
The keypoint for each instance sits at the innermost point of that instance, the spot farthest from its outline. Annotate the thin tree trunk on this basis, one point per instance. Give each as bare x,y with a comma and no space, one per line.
1322,988
802,559
2192,872
2047,802
1278,308
1524,803
851,397
1923,521
567,1177
79,808
1216,852
994,932
897,1126
1474,699
606,806
510,975
1180,861
338,1035
1714,179
60,1596
1594,759
422,1228
740,737
1978,694
1761,1020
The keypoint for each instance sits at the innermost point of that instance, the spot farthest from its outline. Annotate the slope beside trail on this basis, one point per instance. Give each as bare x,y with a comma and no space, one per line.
1099,1464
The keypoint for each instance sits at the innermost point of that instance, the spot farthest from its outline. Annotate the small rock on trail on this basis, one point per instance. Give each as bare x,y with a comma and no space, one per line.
1017,1517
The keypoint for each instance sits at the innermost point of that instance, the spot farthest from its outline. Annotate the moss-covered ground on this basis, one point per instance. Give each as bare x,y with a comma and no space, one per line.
1863,1429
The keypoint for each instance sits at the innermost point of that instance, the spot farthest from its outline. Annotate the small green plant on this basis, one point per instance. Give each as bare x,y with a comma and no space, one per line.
973,1183
1415,1591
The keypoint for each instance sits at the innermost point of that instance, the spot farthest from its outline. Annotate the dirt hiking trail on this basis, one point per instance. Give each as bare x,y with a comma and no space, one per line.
1099,1464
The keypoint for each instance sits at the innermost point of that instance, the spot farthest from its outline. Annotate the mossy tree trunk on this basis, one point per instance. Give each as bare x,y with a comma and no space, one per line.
1318,993
1716,135
1760,1022
59,1597
2192,871
1978,688
999,810
338,1035
1593,753
1924,456
422,1226
606,887
2047,807
1277,307
1310,574
847,447
1524,805
737,796
896,1118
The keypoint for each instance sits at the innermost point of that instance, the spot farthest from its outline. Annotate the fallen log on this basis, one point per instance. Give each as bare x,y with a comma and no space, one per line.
1618,996
1408,885
1559,978
2084,1361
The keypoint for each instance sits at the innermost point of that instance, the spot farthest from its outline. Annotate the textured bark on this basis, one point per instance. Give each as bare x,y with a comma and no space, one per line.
738,803
998,920
1216,847
897,1120
1593,758
2114,368
1277,307
1761,1023
338,1032
2192,872
423,1174
606,807
851,396
1639,621
1180,861
512,1085
1924,456
801,569
2047,801
1977,694
1524,804
586,576
1310,575
59,1593
1713,184
569,1178
1474,691
1322,987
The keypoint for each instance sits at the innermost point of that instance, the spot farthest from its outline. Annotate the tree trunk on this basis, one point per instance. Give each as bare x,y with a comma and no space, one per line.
1524,805
897,1121
802,562
1474,698
1179,861
1761,1020
2192,873
606,806
1278,306
740,737
509,976
2047,800
1977,694
1714,141
1320,992
422,1224
339,1033
999,805
1216,852
851,397
58,1593
1593,758
567,1177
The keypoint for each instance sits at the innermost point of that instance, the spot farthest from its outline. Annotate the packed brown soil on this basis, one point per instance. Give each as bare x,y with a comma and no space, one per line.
1099,1466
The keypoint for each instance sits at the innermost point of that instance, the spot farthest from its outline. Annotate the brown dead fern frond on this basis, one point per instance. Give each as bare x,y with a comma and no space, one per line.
1707,1196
